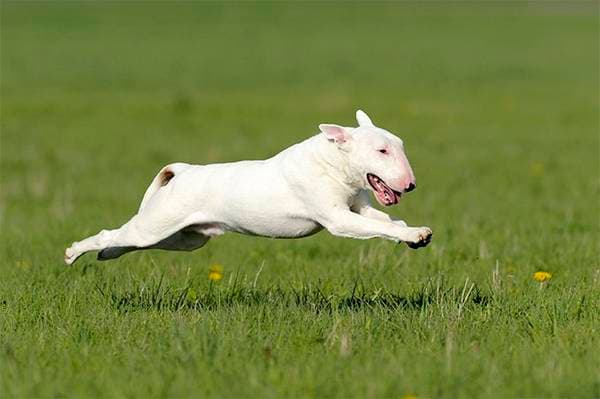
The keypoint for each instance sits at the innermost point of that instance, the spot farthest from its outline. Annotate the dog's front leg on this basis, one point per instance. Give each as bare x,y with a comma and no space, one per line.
362,206
372,213
345,223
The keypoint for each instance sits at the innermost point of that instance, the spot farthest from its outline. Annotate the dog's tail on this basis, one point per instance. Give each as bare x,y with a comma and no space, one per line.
162,179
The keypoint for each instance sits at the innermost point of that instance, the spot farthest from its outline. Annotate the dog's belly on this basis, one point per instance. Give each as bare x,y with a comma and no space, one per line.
297,228
278,227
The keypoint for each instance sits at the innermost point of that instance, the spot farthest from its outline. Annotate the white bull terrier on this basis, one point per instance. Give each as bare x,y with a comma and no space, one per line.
319,183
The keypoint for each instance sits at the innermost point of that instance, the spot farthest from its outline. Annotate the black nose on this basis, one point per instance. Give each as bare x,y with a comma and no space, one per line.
410,187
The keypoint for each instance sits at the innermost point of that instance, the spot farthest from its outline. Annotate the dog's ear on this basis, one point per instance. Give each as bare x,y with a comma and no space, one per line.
338,134
363,119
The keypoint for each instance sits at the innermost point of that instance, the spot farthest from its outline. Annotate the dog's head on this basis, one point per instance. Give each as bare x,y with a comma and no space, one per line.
375,158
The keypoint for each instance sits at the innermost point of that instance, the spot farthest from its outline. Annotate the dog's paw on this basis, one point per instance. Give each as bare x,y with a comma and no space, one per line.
421,236
70,256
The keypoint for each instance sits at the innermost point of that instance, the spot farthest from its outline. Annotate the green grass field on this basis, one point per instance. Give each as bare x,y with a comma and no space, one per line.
498,107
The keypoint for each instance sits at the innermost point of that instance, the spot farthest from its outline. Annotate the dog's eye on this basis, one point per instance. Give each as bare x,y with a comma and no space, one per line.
383,151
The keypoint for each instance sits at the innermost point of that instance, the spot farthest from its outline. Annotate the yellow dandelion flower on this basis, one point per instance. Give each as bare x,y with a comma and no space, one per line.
24,264
542,277
409,396
215,273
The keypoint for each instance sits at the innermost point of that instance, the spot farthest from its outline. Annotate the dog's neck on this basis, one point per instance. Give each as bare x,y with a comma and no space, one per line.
334,163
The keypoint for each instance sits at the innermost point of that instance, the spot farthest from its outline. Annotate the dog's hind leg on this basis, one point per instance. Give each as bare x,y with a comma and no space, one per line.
162,215
146,231
123,237
187,239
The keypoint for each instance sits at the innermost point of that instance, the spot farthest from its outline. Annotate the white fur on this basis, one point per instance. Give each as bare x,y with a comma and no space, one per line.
318,183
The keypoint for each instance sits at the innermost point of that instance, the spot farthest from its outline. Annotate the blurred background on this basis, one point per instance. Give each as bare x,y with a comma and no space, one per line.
497,103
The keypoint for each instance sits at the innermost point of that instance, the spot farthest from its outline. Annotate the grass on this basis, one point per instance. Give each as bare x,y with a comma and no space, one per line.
497,104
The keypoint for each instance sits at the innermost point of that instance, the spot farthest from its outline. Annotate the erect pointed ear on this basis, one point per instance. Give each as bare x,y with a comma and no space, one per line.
336,133
363,119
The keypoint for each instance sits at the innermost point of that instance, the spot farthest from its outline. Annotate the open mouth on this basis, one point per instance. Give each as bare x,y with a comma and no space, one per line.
384,194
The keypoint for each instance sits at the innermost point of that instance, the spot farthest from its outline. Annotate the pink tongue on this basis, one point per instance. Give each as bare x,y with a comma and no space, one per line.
385,195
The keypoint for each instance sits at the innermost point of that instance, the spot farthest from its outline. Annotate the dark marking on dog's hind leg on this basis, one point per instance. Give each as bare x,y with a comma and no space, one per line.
114,252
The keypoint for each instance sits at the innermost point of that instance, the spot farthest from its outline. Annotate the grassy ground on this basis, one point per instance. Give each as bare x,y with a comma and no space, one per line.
498,106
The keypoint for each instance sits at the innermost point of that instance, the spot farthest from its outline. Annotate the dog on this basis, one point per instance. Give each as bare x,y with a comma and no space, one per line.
320,183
